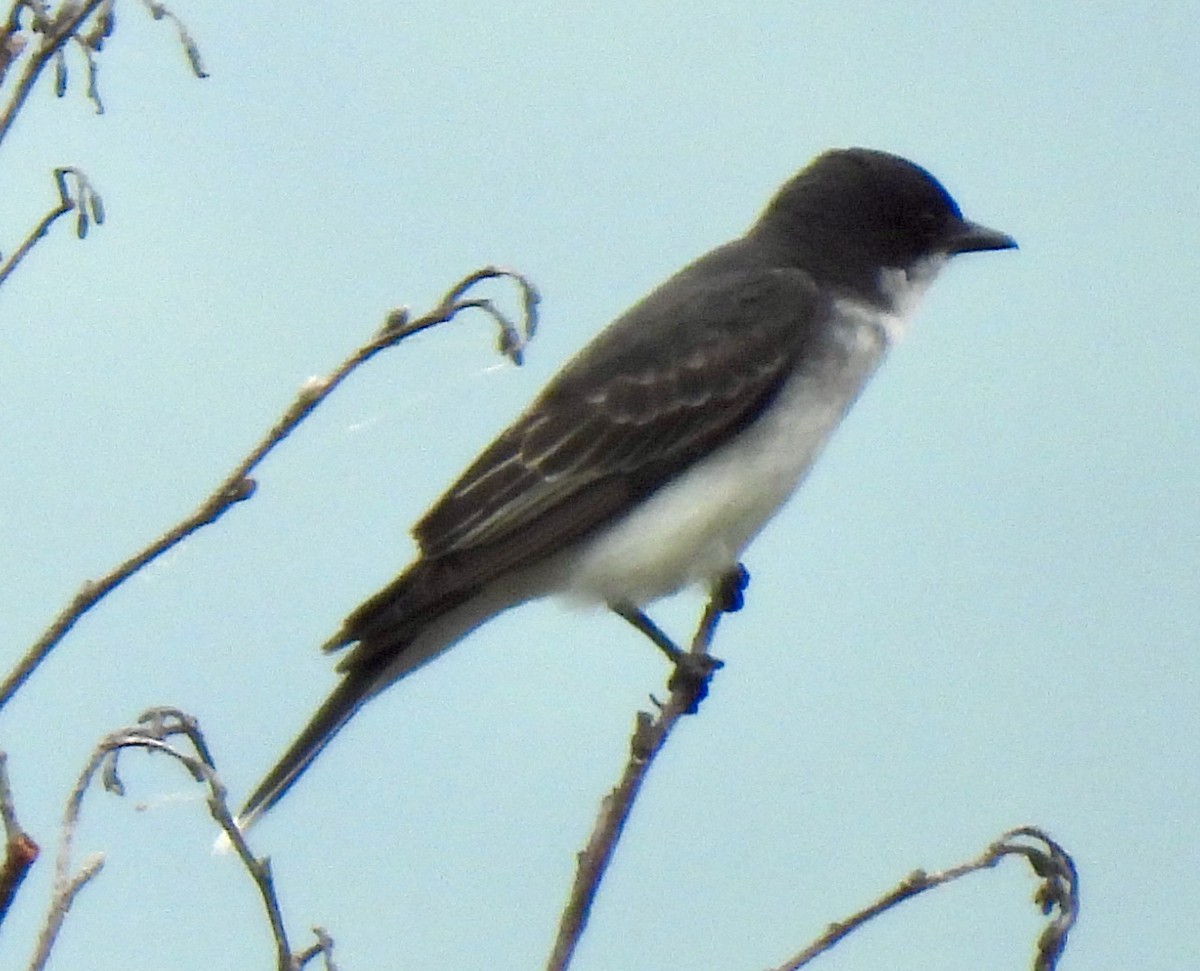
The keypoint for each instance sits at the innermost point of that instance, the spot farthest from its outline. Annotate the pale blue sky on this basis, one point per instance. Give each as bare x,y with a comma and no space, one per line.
980,612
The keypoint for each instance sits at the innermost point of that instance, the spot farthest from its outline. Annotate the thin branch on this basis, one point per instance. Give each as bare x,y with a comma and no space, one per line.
322,947
52,31
1058,893
159,12
81,199
154,729
238,486
688,685
20,851
68,884
12,44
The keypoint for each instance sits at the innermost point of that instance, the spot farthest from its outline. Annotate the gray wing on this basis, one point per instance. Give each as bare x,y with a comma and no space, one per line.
686,368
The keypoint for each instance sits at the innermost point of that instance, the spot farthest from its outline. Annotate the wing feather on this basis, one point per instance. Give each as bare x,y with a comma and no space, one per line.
631,411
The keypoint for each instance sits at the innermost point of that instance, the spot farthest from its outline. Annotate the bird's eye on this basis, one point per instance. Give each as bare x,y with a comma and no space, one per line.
929,224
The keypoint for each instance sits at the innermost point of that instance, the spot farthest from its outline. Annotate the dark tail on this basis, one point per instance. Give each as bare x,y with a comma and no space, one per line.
338,708
402,627
395,632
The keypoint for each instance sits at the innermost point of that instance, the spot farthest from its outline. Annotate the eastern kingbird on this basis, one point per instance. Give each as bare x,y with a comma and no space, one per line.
656,455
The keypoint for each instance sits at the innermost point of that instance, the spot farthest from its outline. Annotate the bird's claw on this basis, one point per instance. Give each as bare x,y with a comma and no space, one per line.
691,677
729,595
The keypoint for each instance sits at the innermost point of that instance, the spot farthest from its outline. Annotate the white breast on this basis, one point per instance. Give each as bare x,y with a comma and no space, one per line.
695,528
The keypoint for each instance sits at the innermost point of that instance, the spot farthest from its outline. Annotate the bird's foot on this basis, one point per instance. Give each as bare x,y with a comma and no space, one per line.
691,676
695,668
729,593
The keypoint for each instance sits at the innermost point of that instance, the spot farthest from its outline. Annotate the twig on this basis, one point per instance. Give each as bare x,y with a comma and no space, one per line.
152,733
323,947
12,45
91,42
52,31
67,884
20,851
84,200
238,486
688,685
159,12
1059,891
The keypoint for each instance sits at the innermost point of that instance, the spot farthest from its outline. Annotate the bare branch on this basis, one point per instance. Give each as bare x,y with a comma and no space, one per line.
323,947
67,884
52,31
153,731
12,44
239,486
88,24
80,198
1059,891
688,685
159,12
20,851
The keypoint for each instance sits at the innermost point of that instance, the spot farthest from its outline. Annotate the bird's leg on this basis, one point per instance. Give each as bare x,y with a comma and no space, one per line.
692,670
695,668
644,624
727,597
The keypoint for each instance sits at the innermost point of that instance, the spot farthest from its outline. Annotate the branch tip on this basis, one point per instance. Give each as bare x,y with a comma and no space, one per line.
1049,861
238,486
153,732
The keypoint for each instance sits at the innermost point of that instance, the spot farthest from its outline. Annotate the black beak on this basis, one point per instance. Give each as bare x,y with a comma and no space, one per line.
969,237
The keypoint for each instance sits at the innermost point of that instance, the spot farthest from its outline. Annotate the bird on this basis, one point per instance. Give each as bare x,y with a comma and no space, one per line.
650,461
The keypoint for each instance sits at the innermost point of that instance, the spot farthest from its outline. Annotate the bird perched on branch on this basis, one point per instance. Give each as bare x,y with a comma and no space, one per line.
656,455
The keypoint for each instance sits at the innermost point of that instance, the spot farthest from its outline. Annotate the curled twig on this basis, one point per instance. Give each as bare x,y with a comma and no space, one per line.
511,341
239,486
42,41
35,34
1057,894
159,12
75,194
153,732
38,44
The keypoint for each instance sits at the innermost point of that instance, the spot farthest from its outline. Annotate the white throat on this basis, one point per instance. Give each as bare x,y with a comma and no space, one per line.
903,290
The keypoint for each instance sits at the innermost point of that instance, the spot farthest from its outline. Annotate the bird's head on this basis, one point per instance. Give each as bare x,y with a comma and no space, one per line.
854,210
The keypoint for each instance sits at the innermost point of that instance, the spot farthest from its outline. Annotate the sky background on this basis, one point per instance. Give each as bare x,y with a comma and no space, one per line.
981,610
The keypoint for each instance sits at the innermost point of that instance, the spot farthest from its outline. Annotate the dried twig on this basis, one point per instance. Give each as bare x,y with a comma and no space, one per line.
238,486
34,34
50,32
152,732
159,12
75,193
322,947
688,685
1058,893
20,851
